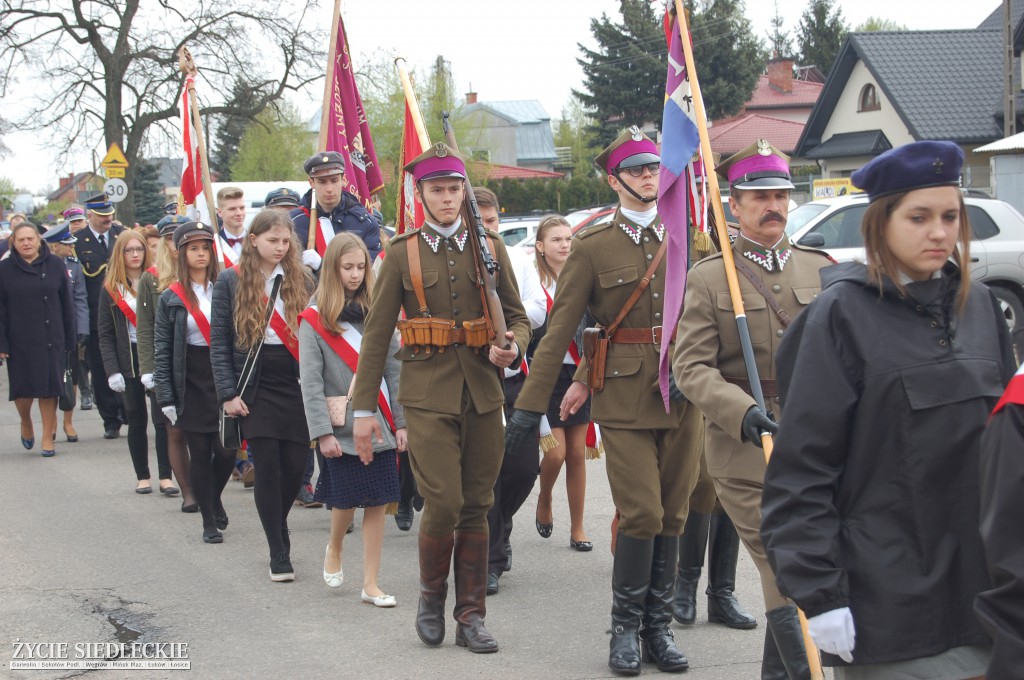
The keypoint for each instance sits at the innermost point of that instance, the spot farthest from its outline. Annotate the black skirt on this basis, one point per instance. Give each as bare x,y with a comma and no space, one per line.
346,483
201,410
562,385
276,410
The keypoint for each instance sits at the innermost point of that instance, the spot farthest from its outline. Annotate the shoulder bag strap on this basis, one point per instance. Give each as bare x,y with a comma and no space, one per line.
640,288
756,281
412,251
250,360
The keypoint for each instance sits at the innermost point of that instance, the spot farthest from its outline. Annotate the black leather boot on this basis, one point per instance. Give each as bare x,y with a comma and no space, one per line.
723,551
692,545
470,593
772,667
656,639
435,563
789,639
631,576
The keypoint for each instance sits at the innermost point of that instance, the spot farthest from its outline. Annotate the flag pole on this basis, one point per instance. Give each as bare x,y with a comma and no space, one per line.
414,107
188,67
325,115
813,660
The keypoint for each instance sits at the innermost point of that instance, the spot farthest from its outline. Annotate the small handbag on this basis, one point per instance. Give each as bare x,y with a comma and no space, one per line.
66,400
231,426
337,407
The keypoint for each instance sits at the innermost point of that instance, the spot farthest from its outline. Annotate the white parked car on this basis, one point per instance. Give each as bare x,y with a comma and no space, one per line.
515,230
997,249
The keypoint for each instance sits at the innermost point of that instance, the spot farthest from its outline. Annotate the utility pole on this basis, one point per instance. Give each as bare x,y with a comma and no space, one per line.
1009,91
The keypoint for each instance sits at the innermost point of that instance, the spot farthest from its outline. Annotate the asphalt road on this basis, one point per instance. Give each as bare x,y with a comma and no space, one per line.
84,559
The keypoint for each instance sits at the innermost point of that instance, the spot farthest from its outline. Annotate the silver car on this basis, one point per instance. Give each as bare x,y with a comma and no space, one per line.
997,249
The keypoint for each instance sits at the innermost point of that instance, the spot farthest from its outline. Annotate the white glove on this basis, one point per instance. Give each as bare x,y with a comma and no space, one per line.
170,413
116,382
833,632
147,381
311,259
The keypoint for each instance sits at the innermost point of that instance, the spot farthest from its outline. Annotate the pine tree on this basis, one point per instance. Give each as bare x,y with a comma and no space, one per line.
821,33
149,194
778,40
729,57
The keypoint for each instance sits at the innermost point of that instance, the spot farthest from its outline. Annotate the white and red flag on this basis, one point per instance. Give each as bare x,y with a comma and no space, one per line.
191,167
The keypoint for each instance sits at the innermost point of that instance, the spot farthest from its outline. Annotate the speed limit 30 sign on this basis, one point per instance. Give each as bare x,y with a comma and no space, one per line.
116,189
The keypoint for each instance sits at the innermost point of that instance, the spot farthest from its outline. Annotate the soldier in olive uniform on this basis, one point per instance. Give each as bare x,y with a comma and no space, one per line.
451,390
652,456
708,363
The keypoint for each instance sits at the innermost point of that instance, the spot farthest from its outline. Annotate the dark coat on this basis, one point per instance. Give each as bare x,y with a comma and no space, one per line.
871,497
37,323
94,265
115,344
170,333
349,215
79,295
1001,609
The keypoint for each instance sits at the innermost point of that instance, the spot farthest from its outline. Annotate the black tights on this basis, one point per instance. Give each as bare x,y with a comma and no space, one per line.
209,469
280,465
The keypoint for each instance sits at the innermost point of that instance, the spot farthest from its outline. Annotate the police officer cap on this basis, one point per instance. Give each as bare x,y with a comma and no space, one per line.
60,234
282,198
437,162
192,231
167,224
631,148
759,166
100,204
171,208
918,165
324,163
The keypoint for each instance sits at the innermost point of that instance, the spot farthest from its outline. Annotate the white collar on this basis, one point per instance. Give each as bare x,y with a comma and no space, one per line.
447,232
641,217
97,234
278,271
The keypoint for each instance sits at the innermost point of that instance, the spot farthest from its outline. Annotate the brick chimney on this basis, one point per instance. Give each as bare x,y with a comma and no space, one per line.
471,98
64,181
780,74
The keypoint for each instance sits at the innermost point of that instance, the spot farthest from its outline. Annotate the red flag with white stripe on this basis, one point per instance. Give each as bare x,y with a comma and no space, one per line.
410,213
191,170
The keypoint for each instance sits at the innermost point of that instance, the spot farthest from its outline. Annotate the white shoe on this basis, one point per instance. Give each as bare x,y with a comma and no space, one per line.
333,580
382,601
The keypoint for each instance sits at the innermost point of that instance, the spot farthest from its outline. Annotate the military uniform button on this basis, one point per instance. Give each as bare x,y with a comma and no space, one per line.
455,295
453,278
657,315
942,342
779,333
776,288
647,239
449,246
615,372
455,310
451,262
650,257
655,295
619,281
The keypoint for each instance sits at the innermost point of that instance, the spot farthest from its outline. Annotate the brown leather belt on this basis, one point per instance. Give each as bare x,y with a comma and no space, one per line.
458,336
769,388
638,336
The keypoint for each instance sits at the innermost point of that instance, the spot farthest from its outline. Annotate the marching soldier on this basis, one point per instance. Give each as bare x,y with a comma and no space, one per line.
450,388
652,456
778,279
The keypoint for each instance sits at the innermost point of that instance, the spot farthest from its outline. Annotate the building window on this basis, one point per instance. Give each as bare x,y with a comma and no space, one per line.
868,99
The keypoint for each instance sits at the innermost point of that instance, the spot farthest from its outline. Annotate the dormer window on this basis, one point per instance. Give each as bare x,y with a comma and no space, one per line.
868,99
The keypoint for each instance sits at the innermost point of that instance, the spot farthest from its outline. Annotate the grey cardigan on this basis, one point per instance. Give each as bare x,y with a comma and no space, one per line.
323,374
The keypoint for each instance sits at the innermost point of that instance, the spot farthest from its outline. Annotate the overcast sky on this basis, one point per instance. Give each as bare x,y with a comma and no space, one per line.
524,49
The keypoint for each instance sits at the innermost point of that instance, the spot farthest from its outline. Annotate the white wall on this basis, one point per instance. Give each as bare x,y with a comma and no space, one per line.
1008,179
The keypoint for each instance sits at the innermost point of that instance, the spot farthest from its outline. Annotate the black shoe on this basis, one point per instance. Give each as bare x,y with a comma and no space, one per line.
112,433
222,522
624,651
403,517
659,648
305,497
193,507
492,584
281,568
784,624
656,638
86,402
212,536
581,546
631,578
544,529
692,546
723,551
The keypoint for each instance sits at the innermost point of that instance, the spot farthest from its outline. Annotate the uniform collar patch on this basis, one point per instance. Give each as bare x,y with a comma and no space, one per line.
636,232
434,240
770,259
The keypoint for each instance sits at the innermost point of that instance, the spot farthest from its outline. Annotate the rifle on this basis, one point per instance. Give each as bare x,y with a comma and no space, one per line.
486,273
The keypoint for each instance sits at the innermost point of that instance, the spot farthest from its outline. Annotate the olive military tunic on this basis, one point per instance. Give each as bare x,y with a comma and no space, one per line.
652,456
708,351
453,398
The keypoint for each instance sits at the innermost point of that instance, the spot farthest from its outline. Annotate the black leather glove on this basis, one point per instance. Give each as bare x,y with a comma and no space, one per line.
521,424
83,339
754,423
674,393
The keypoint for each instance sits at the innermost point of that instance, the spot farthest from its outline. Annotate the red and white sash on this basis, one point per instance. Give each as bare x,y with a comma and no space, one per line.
280,327
202,323
126,308
226,252
1014,393
574,351
347,346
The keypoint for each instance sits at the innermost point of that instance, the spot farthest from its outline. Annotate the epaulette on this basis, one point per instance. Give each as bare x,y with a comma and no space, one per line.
807,249
491,233
404,235
590,231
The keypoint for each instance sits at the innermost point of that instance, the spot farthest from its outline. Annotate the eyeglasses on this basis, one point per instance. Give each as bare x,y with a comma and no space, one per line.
638,170
134,251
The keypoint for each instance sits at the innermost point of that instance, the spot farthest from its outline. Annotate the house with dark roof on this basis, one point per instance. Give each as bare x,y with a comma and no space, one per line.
887,89
516,133
76,188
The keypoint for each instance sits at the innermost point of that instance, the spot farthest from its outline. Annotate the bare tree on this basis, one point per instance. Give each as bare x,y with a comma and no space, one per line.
110,66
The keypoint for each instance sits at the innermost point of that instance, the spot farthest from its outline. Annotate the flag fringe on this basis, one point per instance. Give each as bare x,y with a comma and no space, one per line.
391,509
548,442
702,244
594,453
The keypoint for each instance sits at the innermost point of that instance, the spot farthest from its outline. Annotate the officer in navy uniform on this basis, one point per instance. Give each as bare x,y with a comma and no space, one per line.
93,249
326,170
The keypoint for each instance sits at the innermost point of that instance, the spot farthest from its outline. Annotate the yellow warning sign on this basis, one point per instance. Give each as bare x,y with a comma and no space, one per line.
114,158
114,172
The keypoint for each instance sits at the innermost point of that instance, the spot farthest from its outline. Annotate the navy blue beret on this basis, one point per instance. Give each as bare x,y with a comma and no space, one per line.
918,165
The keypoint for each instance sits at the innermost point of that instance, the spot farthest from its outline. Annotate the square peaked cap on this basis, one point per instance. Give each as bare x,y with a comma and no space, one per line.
631,148
100,204
759,166
167,224
917,165
60,234
324,163
438,161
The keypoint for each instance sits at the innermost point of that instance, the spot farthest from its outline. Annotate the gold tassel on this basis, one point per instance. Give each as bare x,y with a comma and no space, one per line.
548,442
594,454
391,509
702,245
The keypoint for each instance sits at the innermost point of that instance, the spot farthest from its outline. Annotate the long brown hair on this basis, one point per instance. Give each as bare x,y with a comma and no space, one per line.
331,296
547,274
181,263
117,273
166,264
249,298
881,261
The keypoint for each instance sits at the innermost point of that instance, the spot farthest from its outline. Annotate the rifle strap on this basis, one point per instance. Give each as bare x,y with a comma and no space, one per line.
412,250
474,243
640,288
783,315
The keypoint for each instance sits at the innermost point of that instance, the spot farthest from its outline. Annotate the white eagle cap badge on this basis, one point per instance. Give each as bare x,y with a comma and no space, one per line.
324,159
634,131
440,151
764,148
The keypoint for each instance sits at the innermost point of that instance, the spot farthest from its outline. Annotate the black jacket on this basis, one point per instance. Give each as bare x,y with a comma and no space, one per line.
94,266
349,215
871,496
170,341
115,345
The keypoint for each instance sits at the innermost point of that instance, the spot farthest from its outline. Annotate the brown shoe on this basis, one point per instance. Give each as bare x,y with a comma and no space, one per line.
435,563
471,593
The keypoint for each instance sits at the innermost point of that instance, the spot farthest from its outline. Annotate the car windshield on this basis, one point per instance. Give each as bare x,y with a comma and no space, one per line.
802,214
